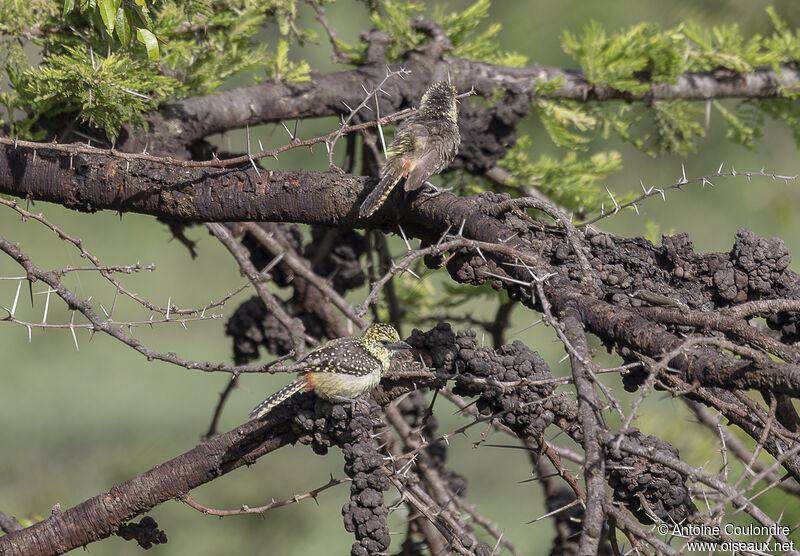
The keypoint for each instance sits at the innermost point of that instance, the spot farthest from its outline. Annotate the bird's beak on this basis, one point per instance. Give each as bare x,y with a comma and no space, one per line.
398,345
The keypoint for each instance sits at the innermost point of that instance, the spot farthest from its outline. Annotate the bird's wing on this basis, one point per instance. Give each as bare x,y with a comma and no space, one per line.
408,144
342,355
427,165
434,154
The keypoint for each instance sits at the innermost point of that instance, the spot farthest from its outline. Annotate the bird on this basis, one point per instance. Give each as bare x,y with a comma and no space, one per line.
424,144
341,370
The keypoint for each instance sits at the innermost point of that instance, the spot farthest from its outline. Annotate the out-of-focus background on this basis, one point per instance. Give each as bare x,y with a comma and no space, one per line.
73,423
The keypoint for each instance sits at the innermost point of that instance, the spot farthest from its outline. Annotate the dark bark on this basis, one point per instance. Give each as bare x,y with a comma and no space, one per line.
103,515
182,123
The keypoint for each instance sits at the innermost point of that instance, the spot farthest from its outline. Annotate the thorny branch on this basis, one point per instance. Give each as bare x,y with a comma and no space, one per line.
692,337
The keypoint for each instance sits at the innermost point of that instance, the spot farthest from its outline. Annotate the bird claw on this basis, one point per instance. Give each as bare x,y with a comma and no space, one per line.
353,402
436,190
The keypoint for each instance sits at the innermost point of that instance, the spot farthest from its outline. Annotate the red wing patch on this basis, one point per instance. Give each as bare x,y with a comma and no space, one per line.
309,381
407,165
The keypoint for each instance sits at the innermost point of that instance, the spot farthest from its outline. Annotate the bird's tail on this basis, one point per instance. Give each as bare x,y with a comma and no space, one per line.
279,397
390,176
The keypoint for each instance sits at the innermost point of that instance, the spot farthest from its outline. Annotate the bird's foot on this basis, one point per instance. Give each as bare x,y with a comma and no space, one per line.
353,402
436,190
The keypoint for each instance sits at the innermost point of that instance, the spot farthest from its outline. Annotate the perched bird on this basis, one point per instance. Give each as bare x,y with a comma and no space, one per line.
423,145
342,369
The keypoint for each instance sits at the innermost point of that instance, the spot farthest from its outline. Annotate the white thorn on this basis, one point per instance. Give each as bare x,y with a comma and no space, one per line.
616,206
46,305
74,337
253,162
402,233
16,298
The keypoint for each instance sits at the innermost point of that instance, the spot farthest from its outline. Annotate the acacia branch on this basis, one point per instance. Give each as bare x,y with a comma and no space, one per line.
591,419
102,515
192,119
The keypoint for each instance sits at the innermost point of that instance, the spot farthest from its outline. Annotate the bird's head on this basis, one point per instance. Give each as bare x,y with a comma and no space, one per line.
439,101
384,337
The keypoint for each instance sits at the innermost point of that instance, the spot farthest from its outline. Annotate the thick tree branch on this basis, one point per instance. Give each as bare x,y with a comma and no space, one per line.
593,428
102,516
192,119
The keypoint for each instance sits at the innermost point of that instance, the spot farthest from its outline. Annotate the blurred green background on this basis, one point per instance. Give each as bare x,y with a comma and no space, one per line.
75,423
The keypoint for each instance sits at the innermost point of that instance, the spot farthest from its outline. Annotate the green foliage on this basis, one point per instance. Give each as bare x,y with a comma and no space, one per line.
571,182
676,125
396,22
784,44
737,129
622,60
560,117
282,68
724,47
652,232
159,50
785,110
395,19
630,60
621,119
460,28
19,15
106,92
109,61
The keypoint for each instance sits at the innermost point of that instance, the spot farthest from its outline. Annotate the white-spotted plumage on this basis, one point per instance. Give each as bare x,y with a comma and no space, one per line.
344,368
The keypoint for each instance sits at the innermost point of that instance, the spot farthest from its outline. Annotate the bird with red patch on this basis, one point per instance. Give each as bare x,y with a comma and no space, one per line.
424,144
341,370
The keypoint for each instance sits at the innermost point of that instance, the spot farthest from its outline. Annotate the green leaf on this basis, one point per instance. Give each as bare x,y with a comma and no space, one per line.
106,94
108,11
570,181
123,26
68,6
560,117
743,127
676,125
149,41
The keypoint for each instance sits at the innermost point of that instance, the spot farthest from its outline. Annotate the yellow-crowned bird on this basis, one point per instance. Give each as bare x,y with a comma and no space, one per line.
343,369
